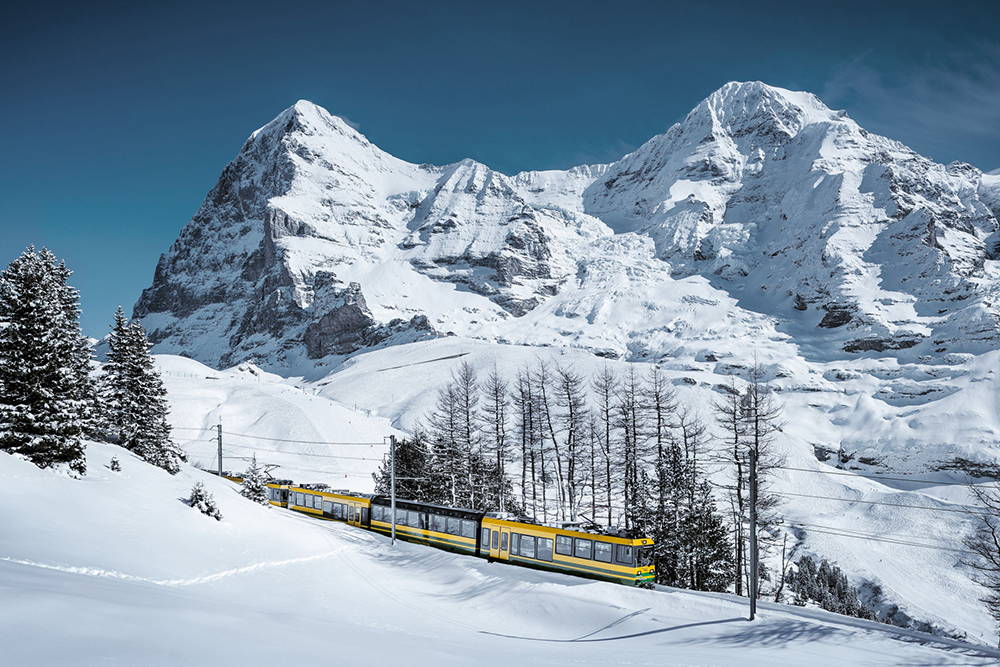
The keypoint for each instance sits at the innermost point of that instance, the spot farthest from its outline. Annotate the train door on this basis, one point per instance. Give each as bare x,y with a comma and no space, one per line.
354,516
503,553
494,545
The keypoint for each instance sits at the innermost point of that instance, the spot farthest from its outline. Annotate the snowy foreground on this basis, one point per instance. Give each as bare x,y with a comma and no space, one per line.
115,569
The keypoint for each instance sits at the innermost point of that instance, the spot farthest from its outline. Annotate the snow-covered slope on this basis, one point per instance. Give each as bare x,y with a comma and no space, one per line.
285,426
114,568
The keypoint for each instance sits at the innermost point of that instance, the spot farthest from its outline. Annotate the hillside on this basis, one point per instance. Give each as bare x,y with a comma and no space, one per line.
118,569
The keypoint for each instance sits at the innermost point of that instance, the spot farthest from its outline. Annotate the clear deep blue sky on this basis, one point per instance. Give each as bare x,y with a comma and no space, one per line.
118,117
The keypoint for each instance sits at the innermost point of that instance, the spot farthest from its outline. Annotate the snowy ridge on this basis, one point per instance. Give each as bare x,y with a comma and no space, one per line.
779,201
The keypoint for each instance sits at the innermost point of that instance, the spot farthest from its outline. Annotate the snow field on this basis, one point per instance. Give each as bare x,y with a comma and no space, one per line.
114,569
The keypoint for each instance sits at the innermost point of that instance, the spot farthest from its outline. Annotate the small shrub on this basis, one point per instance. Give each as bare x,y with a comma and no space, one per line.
204,502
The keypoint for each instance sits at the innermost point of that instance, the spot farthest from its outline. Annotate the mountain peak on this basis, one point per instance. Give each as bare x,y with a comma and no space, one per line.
739,105
307,117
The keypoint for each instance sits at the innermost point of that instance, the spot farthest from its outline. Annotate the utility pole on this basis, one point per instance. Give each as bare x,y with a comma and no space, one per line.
219,428
392,483
754,578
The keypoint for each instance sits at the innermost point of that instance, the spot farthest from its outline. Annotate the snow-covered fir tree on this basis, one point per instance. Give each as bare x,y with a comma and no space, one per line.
112,386
133,399
254,485
413,471
826,585
46,395
204,501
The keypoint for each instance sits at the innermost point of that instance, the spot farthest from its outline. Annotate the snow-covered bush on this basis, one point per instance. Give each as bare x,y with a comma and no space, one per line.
204,502
115,465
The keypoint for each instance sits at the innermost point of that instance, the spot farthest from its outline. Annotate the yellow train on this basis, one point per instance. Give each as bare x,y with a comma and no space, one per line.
607,557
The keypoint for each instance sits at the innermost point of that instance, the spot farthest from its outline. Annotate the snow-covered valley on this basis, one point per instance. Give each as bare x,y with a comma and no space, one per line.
115,569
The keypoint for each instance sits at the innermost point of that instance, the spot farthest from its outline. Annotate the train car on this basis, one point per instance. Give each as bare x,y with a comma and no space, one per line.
443,527
607,557
277,492
352,508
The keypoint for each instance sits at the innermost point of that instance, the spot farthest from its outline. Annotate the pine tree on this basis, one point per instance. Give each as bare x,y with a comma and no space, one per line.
46,395
709,545
134,399
414,473
112,386
204,502
254,486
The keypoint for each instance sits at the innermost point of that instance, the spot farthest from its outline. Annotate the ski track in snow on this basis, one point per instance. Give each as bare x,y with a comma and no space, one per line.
171,583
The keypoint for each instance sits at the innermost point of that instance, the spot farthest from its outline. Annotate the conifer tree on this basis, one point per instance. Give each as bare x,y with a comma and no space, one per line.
46,395
712,566
254,485
414,473
133,399
112,387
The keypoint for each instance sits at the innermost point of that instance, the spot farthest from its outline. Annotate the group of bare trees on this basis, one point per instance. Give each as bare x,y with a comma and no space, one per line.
615,450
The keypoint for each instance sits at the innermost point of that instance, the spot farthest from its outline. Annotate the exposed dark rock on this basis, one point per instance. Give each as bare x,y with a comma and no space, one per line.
341,329
879,344
837,315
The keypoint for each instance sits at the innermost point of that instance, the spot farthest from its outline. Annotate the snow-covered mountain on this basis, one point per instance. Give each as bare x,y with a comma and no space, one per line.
315,242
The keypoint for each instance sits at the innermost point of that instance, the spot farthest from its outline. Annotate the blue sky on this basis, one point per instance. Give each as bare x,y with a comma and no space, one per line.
118,117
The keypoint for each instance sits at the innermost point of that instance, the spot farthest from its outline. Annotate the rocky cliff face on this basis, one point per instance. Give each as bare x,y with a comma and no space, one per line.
314,242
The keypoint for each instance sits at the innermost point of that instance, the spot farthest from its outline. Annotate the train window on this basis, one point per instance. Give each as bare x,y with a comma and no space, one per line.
527,547
582,548
376,513
439,524
625,554
515,542
645,556
564,545
484,538
496,539
544,546
454,526
468,528
328,506
413,519
400,517
602,552
425,521
503,542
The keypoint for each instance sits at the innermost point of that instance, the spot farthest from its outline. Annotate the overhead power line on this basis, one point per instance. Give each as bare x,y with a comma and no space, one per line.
302,442
875,502
214,429
320,456
874,476
905,540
